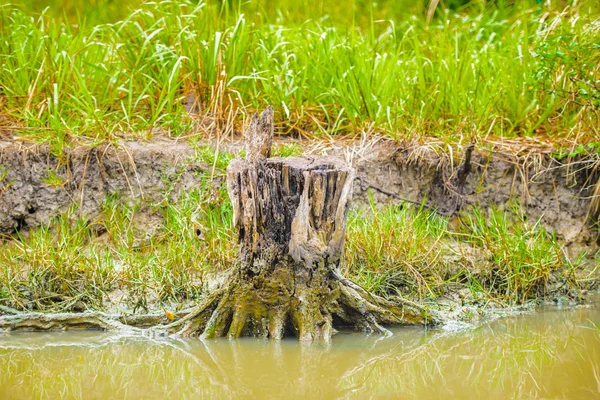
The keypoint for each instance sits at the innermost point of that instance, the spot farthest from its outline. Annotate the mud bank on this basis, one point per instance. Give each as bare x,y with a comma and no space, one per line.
35,185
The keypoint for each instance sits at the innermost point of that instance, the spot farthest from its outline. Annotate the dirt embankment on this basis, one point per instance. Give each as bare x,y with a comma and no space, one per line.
36,185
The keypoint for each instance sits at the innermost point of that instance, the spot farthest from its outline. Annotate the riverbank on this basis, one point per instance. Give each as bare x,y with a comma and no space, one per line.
138,228
472,127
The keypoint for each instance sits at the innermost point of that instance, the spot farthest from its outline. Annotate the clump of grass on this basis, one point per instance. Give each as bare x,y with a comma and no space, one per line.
399,250
286,150
395,250
53,179
74,263
50,267
526,259
212,156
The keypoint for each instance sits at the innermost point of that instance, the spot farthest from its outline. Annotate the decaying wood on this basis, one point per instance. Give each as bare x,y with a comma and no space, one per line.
15,320
60,321
259,136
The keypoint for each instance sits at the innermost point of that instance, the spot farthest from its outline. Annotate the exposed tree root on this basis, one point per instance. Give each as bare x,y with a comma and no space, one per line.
37,321
273,308
61,321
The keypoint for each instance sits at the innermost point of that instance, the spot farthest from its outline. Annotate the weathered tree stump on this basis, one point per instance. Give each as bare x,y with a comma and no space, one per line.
290,214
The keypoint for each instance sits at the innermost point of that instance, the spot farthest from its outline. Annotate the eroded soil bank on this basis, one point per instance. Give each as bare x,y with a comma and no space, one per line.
36,185
143,279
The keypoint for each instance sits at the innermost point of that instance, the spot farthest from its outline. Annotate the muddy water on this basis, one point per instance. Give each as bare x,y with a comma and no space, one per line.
548,354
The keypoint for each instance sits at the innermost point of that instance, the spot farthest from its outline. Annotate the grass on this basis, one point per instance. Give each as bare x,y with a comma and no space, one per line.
159,256
525,258
497,255
468,70
76,264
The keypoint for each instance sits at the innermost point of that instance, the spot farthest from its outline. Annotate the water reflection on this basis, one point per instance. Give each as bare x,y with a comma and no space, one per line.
551,354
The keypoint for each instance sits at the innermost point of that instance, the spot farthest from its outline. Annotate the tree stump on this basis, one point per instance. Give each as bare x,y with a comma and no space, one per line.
290,215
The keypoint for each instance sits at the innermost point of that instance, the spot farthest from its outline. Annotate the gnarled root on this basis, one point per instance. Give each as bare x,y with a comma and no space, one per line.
268,308
43,322
90,320
273,308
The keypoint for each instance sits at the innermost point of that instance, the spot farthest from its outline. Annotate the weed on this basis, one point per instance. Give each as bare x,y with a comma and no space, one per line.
213,157
3,173
286,150
53,179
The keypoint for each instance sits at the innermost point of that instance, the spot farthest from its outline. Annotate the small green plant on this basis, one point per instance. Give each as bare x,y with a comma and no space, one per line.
213,157
286,150
53,179
3,173
569,65
591,148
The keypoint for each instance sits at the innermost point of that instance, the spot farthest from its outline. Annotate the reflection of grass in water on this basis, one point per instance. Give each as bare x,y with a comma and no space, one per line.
596,328
114,371
507,359
533,356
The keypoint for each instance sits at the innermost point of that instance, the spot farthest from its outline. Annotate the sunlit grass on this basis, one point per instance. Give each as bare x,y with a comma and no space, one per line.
398,250
473,71
142,258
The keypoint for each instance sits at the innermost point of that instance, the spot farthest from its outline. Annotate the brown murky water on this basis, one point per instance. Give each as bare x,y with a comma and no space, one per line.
548,354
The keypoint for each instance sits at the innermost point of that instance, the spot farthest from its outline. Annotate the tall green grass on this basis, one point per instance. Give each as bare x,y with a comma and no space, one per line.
118,260
474,70
496,254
